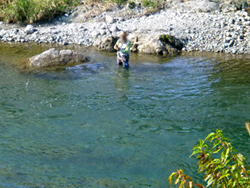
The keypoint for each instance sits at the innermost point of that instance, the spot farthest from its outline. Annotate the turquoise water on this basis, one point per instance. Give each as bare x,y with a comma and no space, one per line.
114,127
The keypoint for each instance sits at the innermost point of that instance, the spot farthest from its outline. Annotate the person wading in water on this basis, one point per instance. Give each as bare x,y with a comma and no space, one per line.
123,50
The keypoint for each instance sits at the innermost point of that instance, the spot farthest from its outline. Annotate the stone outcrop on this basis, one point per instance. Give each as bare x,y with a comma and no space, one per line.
53,57
232,5
106,43
203,25
158,44
197,6
148,44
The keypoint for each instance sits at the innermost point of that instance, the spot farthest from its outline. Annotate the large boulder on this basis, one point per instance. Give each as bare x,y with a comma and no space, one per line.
156,44
53,57
106,43
232,5
148,44
197,6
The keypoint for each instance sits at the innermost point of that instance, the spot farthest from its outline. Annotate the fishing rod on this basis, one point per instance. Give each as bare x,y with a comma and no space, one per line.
104,19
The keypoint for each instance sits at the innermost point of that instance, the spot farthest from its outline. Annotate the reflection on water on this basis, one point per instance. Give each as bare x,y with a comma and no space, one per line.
121,82
114,127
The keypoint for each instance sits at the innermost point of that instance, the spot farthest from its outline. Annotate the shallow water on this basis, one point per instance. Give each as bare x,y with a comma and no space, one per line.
114,127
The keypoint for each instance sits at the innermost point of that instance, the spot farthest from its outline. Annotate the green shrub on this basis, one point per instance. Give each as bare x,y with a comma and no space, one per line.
132,4
148,3
119,2
33,10
223,166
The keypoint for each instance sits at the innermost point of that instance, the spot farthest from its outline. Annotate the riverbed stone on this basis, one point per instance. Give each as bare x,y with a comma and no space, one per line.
53,57
110,19
114,29
199,25
29,29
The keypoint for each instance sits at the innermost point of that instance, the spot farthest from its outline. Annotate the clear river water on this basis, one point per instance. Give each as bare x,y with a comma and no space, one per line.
112,127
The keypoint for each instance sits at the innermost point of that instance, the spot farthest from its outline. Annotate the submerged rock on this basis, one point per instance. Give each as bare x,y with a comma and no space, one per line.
95,66
53,57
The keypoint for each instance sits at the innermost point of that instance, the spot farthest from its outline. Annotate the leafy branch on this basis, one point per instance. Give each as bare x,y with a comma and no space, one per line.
223,166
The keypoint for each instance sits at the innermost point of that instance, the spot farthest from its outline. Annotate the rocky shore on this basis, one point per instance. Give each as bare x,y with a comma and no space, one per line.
199,26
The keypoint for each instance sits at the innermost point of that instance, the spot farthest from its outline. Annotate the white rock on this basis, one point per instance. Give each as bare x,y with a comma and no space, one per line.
29,29
103,26
95,34
114,29
103,32
110,19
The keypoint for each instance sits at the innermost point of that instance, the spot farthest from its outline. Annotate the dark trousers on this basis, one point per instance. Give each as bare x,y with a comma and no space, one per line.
123,60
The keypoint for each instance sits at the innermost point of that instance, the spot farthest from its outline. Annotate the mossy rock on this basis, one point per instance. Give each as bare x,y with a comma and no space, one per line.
166,38
169,39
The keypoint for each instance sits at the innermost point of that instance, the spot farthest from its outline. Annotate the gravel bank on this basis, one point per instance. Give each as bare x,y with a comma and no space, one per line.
200,31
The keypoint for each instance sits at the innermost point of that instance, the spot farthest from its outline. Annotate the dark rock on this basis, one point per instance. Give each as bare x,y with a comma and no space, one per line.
171,40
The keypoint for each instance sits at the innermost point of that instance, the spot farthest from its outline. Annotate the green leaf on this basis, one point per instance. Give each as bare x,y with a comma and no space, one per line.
196,147
170,179
226,154
223,154
216,150
181,184
210,181
177,179
195,152
218,131
223,176
234,183
209,136
216,143
206,178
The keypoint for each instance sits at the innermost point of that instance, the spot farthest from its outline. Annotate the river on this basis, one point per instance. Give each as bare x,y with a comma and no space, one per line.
114,127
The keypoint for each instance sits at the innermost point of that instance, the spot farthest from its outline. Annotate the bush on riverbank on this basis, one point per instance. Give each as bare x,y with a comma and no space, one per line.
222,164
33,10
29,11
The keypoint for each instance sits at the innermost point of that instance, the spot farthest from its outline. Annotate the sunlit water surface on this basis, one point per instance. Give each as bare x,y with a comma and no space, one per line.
113,127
